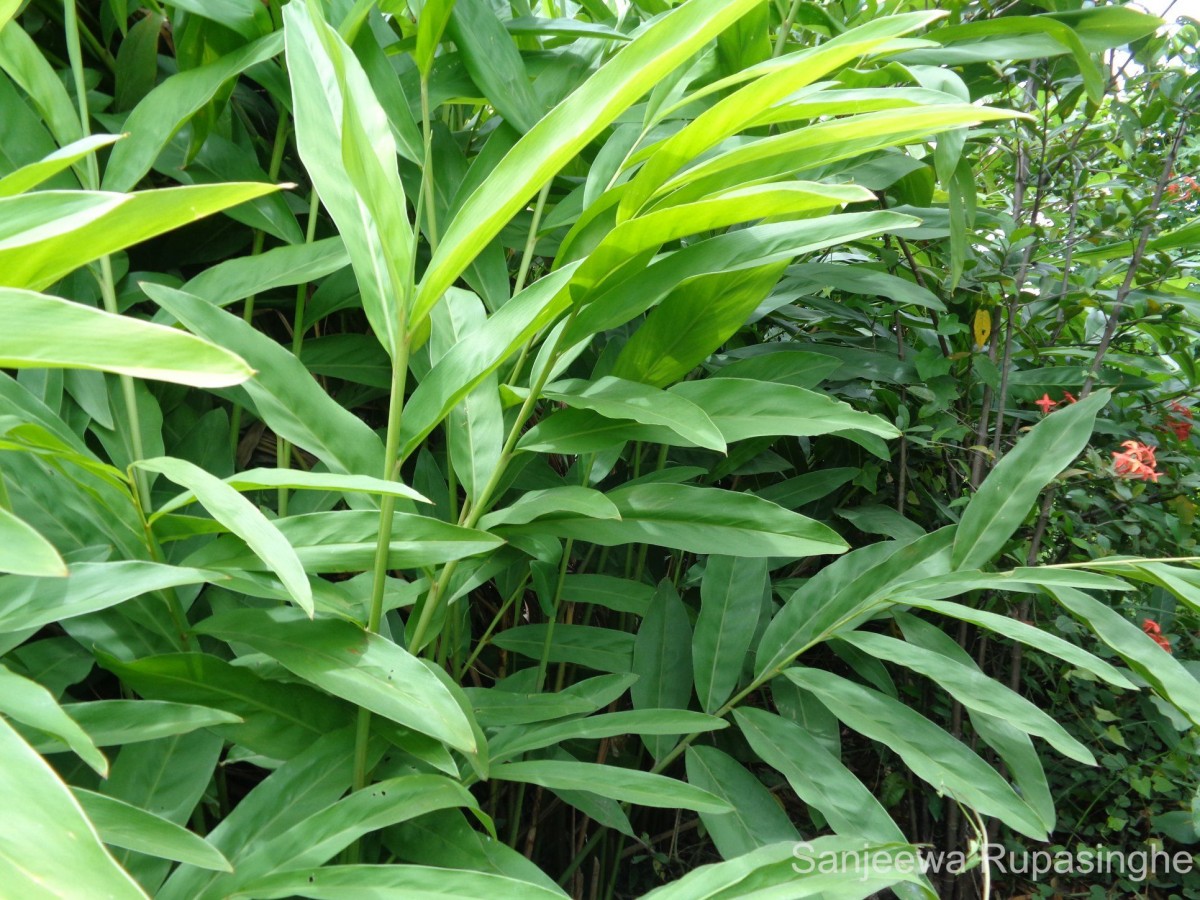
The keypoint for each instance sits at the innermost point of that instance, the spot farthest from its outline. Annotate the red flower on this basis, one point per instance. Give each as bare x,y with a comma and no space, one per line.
1046,404
1067,395
1155,634
1136,462
1182,426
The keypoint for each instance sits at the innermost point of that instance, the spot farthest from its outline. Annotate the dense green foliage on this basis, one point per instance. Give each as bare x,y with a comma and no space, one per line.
462,448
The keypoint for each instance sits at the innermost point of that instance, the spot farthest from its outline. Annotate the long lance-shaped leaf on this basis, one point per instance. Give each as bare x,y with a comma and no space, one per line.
566,129
1163,672
353,664
283,392
973,689
932,753
31,175
241,517
37,259
166,108
38,331
1006,495
734,112
348,149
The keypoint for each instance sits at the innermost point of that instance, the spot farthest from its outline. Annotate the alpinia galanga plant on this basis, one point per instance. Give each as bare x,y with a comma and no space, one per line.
449,448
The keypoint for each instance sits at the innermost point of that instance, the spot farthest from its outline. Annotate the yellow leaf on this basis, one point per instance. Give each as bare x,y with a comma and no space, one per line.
982,328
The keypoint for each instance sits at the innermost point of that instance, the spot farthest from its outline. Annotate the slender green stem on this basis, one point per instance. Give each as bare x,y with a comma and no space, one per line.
5,500
283,450
426,176
471,516
387,508
483,640
544,659
108,291
785,29
277,147
531,238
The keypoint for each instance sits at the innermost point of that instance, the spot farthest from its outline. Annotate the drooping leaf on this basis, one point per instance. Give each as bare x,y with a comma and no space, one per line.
356,665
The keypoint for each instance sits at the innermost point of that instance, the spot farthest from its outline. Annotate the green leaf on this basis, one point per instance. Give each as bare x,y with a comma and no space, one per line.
241,517
167,777
8,9
25,552
324,834
616,398
625,785
113,723
644,721
744,409
345,541
662,661
533,505
1030,636
567,129
31,704
1012,745
298,479
238,278
475,430
972,689
1012,487
692,322
413,882
29,176
862,280
279,720
494,63
137,61
602,649
353,664
23,61
302,786
46,332
123,825
757,818
27,602
347,146
818,777
930,752
479,354
778,79
830,868
284,394
430,25
845,593
165,109
47,845
36,257
1160,669
731,599
699,520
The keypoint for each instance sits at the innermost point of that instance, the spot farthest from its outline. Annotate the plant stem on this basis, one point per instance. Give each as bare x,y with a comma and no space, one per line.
283,450
277,146
387,508
475,512
108,289
544,659
785,29
426,177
